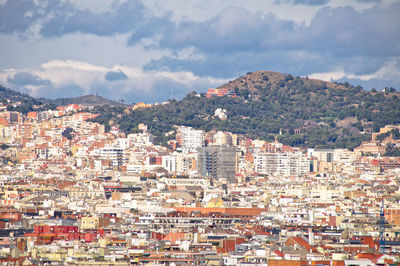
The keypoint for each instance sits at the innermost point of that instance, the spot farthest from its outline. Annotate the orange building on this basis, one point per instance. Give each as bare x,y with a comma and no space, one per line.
3,121
393,216
287,262
84,116
32,115
25,131
220,92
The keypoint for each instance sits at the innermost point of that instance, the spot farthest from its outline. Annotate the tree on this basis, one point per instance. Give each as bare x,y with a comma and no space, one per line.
4,146
382,136
392,150
395,133
67,133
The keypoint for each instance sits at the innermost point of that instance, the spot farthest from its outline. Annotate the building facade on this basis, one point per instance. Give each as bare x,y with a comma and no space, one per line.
282,163
218,162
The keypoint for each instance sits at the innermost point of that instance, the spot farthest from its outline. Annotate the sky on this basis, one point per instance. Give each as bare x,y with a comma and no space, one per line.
155,50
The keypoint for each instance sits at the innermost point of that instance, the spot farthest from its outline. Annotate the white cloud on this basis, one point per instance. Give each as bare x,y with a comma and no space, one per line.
388,71
98,50
199,10
82,66
94,5
90,78
328,76
189,53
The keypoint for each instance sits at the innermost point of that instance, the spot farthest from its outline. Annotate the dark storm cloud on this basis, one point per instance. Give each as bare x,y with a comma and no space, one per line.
17,16
115,75
22,81
128,16
25,78
233,30
303,2
150,28
346,32
58,18
231,43
341,30
241,62
61,92
236,41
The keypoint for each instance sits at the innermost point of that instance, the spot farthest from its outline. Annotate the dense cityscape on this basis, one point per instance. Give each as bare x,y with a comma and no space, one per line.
74,194
192,132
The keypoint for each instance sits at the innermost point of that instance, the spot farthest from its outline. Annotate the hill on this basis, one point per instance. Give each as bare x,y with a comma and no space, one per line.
86,100
297,110
29,103
256,82
14,96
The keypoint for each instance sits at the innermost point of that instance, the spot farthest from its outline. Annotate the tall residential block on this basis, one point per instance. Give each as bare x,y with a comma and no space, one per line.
218,162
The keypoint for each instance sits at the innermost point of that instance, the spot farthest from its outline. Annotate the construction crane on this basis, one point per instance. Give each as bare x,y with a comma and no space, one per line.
382,228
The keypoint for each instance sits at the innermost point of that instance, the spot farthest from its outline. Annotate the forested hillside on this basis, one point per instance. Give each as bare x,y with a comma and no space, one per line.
299,111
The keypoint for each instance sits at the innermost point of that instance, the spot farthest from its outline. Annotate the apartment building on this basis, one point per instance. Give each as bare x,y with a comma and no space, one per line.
189,139
285,164
217,162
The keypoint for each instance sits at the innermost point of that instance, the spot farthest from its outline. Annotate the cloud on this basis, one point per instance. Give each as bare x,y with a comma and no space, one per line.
70,78
236,41
352,38
302,2
234,29
25,78
122,17
376,83
36,86
235,64
55,18
17,16
373,32
115,75
386,75
72,64
52,92
370,1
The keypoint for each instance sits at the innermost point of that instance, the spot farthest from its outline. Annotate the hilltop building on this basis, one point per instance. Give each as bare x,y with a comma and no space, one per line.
220,92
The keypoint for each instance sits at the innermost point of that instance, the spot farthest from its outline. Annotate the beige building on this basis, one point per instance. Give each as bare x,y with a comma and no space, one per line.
89,222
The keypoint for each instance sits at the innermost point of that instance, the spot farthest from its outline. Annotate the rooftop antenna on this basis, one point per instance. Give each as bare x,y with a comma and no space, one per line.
171,89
